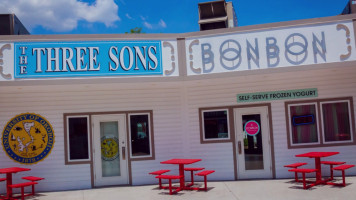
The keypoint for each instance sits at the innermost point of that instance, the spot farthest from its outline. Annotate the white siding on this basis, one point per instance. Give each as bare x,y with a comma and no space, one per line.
331,83
176,119
52,101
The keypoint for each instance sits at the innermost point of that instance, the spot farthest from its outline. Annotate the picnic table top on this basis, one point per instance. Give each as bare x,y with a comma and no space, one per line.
317,154
13,170
180,161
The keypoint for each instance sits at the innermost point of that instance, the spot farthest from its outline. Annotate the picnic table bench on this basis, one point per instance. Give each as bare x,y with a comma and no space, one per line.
332,163
192,169
304,171
170,178
32,179
22,186
205,173
294,166
342,168
160,172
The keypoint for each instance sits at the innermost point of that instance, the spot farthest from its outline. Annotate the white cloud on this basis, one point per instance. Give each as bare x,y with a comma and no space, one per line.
162,23
143,18
148,25
62,15
128,16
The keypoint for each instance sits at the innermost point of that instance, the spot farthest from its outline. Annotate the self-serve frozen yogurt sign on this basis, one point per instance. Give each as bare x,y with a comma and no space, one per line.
252,128
75,59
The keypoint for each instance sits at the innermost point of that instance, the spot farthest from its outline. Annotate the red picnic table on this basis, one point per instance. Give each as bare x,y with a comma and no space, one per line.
317,156
181,163
9,172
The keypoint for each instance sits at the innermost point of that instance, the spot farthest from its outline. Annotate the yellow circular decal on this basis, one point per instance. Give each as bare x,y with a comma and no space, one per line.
28,138
109,148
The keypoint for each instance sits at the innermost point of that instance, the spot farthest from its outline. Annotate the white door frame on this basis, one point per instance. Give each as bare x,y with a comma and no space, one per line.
123,179
266,172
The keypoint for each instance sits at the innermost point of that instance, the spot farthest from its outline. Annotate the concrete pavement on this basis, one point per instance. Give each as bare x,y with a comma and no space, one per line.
281,189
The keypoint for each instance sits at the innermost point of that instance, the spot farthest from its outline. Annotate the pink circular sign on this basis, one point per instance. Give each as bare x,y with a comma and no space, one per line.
252,128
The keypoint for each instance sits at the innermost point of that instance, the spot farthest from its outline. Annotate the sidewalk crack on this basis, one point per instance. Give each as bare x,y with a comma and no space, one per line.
231,191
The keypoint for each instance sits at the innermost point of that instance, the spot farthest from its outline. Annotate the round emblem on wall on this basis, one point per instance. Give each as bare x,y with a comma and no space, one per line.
252,128
28,138
109,148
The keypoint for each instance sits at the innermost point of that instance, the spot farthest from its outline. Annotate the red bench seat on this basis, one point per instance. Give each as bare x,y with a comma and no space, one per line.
295,165
22,186
303,171
160,172
2,179
205,173
192,169
170,178
32,179
342,168
332,163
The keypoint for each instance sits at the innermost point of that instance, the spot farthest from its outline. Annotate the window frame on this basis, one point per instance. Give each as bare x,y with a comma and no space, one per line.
316,120
319,120
203,139
150,135
67,148
322,122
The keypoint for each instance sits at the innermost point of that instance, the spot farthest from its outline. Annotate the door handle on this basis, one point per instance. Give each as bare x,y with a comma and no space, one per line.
239,147
123,153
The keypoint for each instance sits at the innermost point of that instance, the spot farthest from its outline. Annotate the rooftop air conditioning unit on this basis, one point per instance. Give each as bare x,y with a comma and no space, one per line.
11,25
216,14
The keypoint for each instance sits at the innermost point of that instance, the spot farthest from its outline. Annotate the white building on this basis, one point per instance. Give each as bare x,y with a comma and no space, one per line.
84,111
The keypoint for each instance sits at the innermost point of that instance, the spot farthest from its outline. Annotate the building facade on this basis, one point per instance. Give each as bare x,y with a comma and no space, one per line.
86,111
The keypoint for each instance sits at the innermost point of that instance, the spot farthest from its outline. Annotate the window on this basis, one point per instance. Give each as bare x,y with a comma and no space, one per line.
78,134
303,128
215,125
78,138
321,122
336,121
140,135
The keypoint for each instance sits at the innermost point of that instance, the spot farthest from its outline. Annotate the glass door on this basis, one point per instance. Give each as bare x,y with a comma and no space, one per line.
253,143
110,155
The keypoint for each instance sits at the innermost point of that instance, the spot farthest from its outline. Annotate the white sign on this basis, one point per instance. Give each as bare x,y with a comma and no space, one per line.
279,47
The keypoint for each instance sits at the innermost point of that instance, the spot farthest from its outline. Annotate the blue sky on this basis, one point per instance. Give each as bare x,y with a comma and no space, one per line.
153,16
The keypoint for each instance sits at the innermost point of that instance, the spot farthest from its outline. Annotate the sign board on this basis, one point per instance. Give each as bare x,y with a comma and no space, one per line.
303,120
277,95
271,48
73,59
252,128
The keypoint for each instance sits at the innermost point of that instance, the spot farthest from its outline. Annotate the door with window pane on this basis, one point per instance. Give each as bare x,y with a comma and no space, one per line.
253,143
110,154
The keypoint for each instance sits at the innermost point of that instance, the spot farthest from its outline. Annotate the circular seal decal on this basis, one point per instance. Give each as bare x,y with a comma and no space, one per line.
28,138
109,148
252,128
